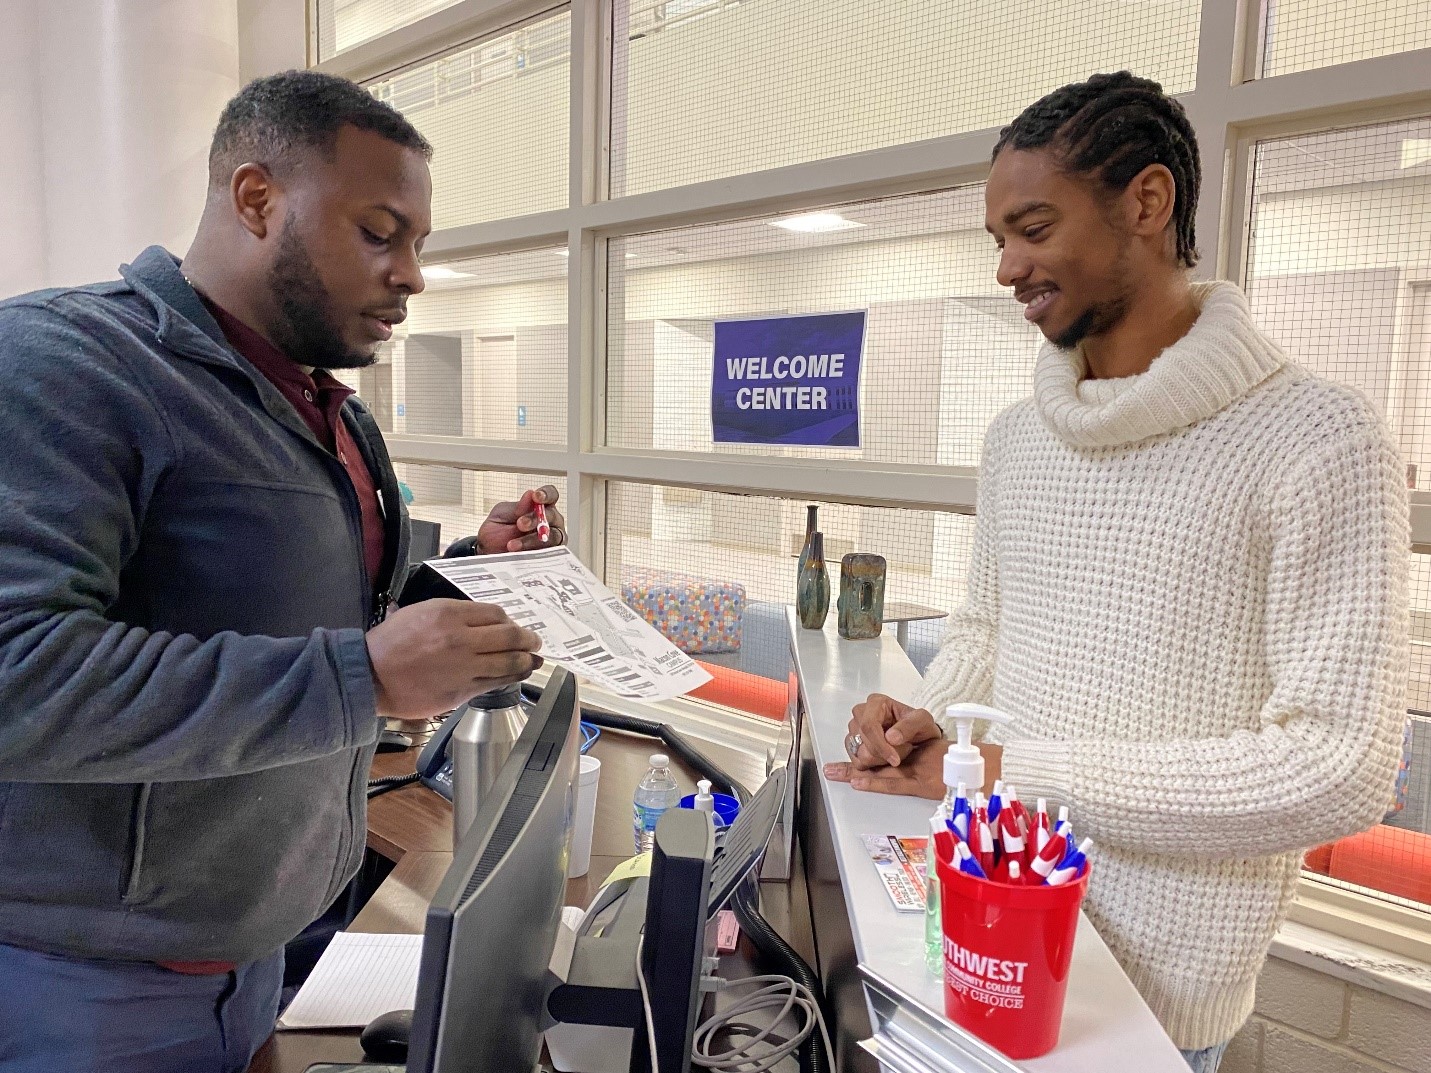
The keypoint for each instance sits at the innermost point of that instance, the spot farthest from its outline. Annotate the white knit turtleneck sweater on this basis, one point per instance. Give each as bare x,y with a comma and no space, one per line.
1188,590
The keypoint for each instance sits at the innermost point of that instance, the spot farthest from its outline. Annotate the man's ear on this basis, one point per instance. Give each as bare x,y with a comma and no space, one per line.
255,198
1151,197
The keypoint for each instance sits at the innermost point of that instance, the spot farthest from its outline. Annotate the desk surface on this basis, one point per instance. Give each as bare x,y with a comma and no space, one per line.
1105,1020
413,826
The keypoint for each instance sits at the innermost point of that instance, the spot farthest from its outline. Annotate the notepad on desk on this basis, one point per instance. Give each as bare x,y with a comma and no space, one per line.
360,976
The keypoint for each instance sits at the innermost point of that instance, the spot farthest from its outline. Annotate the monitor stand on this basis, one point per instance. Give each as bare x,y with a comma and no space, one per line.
669,908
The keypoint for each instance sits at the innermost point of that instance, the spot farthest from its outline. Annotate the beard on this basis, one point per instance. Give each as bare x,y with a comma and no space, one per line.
309,332
1102,316
1094,320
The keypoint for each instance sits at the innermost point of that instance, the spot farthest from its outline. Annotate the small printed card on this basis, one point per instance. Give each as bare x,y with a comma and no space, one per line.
900,863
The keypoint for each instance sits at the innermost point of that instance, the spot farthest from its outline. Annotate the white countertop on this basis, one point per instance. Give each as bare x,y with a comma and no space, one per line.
1105,1023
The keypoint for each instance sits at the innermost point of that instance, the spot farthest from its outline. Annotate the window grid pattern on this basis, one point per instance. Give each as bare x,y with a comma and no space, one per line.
1339,274
1300,35
694,537
497,116
799,91
483,353
946,347
459,500
345,24
1339,264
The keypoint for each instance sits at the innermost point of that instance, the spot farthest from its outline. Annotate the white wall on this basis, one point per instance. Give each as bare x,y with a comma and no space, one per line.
272,37
109,106
24,266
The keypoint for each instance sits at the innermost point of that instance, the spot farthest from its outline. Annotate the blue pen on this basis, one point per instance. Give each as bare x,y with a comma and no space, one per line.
958,818
996,802
966,862
1072,866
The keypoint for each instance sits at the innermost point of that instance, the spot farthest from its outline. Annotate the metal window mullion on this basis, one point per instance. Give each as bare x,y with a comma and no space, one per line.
1220,63
311,17
583,165
873,484
878,484
442,31
1327,94
798,186
465,453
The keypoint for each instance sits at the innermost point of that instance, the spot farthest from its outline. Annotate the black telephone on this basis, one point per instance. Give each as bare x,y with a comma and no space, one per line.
434,764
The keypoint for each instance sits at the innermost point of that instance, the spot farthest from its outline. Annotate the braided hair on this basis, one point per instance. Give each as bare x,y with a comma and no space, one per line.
1115,125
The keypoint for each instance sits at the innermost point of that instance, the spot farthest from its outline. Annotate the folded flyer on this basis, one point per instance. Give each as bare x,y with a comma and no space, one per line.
900,863
583,625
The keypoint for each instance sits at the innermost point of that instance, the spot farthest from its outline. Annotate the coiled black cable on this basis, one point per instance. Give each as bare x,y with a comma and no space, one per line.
390,782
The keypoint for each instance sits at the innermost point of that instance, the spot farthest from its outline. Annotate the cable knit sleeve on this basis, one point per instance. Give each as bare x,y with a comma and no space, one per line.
963,668
1322,761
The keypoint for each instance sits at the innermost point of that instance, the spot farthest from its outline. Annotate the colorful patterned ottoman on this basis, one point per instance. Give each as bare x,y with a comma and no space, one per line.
694,614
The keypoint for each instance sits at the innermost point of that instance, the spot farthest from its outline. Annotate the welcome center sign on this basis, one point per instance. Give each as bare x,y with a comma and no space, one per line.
788,380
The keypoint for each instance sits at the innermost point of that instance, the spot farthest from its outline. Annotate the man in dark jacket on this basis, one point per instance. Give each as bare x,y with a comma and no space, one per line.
199,533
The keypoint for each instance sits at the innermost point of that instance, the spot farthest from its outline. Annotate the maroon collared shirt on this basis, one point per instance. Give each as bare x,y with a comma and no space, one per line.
318,399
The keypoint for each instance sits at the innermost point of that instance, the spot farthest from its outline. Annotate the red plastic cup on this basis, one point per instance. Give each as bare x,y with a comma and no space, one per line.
1007,952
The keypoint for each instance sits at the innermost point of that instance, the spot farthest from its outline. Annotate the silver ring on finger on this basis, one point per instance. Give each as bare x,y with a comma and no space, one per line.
852,745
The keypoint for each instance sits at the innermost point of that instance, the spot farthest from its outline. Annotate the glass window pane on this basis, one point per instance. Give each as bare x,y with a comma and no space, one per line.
946,347
703,89
1299,35
497,115
689,540
459,500
482,354
343,24
1339,263
1339,274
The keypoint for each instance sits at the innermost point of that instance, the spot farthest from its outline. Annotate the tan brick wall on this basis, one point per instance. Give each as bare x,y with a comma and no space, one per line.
1309,1022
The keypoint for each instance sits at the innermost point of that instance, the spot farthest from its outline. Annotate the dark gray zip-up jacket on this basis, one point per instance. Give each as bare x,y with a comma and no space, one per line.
187,711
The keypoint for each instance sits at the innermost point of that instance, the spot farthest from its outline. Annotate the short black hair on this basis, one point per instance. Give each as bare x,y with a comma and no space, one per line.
1115,125
275,118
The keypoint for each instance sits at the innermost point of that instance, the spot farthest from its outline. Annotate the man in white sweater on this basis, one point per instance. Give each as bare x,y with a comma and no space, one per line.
1188,583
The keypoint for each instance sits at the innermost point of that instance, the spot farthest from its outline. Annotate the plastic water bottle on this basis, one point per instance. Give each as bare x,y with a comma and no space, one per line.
654,795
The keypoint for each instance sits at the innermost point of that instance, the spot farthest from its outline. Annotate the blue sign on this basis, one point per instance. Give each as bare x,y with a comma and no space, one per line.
788,380
521,417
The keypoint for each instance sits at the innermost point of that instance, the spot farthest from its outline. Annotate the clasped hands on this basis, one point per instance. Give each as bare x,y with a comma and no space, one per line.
896,748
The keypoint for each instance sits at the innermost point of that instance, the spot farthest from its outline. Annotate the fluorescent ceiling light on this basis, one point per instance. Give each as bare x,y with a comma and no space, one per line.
432,273
1415,152
816,222
567,253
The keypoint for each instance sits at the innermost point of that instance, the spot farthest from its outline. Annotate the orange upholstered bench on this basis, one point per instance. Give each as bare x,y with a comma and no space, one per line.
1385,858
739,689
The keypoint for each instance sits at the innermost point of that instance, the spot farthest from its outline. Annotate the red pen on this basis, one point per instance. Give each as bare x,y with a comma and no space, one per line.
544,530
1020,813
1010,834
1052,853
1043,830
987,857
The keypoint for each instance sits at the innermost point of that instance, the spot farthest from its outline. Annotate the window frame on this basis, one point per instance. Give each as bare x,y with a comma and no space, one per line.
1230,108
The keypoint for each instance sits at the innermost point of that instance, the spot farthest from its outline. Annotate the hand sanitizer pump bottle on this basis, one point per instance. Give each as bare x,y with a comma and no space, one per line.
964,762
963,768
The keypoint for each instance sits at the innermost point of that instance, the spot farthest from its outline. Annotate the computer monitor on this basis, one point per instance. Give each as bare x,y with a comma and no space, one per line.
492,925
425,542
